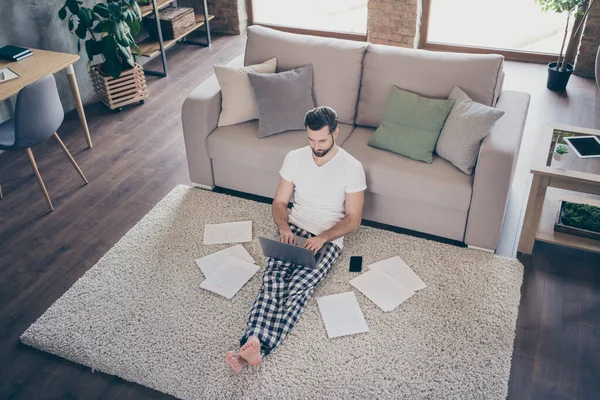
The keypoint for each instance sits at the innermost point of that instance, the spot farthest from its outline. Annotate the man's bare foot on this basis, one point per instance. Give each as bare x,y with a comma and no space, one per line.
250,351
236,362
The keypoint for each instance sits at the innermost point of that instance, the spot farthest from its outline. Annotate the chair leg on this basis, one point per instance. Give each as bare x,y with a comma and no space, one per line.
1,197
38,176
62,145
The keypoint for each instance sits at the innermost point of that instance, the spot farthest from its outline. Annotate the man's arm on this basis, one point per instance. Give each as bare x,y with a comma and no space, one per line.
284,192
353,210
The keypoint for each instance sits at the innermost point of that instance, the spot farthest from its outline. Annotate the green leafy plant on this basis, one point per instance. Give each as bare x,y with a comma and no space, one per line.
574,8
558,136
562,149
107,29
582,216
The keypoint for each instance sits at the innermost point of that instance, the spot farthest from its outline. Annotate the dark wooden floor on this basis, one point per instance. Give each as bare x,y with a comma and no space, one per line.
138,157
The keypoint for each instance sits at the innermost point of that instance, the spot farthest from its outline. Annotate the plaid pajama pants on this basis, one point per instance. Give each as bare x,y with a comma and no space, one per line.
285,290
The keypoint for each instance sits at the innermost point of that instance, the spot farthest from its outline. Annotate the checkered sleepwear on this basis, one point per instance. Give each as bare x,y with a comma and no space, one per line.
285,290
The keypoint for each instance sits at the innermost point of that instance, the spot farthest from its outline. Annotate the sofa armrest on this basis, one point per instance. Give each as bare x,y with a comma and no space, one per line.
494,172
199,116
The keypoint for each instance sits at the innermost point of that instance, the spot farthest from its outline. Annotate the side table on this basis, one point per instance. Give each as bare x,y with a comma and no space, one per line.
572,179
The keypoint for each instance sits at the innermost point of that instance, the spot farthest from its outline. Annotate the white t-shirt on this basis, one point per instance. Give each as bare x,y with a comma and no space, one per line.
320,191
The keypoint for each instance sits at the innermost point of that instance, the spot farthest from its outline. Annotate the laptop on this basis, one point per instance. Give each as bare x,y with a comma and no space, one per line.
294,254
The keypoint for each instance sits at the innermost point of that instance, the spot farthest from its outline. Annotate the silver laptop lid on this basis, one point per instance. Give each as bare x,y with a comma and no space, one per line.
294,254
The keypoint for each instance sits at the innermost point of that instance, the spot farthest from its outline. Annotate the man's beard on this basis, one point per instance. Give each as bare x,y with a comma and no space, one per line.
323,153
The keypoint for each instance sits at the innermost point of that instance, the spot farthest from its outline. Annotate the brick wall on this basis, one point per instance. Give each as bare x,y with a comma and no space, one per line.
394,22
586,57
231,16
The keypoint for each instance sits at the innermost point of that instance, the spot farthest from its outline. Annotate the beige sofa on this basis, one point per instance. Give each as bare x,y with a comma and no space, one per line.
355,79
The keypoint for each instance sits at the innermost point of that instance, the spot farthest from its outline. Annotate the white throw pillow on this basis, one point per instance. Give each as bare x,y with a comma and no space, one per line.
467,125
238,103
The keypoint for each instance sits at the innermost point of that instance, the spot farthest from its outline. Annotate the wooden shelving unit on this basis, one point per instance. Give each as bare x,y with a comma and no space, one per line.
160,4
151,47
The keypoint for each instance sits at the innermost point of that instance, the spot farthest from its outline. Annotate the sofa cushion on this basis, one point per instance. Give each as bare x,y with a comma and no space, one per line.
337,64
428,73
283,99
390,174
239,144
238,103
411,125
467,125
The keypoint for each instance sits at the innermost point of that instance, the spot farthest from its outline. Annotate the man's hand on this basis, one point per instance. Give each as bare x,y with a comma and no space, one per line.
314,243
287,236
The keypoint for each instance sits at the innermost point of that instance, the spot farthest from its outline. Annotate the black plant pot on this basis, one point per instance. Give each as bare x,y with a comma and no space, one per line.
557,80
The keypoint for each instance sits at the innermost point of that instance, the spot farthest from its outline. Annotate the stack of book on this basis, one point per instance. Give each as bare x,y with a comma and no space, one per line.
14,53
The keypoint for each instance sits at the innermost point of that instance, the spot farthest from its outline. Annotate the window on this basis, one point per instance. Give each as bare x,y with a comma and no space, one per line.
517,25
347,16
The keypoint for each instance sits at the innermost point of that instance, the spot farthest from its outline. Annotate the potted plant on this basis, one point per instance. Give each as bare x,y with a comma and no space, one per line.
108,30
560,151
560,71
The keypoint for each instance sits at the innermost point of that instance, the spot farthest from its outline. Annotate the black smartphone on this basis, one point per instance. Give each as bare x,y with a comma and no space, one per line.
355,264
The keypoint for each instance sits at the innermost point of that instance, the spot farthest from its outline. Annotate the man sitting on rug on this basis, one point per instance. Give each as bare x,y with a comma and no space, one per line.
328,185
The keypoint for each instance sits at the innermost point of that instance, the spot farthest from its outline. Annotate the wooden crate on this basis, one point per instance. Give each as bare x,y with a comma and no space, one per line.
174,22
128,88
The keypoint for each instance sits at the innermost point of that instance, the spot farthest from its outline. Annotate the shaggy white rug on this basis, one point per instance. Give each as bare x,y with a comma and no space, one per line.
140,314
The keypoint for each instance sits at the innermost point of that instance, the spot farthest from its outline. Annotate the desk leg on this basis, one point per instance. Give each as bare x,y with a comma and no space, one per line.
77,97
533,213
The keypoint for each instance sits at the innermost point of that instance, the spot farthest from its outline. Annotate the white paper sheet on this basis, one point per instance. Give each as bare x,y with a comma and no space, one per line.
342,315
211,262
400,271
382,289
229,278
6,74
232,232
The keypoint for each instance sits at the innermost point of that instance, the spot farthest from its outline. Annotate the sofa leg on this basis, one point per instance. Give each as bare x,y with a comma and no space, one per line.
481,249
206,187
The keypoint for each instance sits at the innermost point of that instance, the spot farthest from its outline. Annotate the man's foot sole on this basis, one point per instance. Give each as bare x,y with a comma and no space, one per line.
251,351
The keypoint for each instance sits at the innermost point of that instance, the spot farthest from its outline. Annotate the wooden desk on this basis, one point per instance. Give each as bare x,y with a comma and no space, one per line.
42,63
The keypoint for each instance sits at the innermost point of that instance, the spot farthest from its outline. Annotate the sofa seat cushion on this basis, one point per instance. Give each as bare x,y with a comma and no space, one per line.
239,144
337,64
390,174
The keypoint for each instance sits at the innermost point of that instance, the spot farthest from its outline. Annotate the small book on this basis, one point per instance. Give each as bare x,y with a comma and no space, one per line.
14,53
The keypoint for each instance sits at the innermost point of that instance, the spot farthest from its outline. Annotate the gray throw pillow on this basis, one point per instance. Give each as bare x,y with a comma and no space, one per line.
467,125
283,99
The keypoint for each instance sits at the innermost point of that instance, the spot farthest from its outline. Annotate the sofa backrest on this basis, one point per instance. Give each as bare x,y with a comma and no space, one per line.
337,64
428,73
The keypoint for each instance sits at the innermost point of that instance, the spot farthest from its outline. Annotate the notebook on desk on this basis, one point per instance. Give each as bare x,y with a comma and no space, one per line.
14,53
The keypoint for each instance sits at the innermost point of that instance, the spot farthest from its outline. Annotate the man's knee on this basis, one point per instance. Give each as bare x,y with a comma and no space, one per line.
300,284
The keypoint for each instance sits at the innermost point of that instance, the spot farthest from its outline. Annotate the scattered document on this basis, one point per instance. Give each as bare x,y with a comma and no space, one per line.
233,232
342,315
230,277
210,263
400,271
382,289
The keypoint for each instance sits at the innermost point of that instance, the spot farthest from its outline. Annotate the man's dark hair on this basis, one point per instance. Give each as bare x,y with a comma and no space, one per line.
319,117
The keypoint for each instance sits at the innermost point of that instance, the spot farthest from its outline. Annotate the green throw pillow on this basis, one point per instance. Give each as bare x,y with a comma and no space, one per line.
411,125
